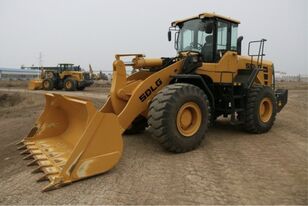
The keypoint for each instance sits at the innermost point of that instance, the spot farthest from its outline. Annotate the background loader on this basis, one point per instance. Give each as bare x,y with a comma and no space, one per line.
64,76
177,97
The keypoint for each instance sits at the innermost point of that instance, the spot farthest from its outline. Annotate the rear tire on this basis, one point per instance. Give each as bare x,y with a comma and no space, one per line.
179,116
260,110
70,84
48,84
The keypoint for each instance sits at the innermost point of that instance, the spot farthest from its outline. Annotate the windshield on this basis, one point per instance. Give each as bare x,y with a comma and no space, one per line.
68,67
192,36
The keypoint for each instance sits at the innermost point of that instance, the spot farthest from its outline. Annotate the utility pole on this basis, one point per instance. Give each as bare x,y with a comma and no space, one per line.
40,58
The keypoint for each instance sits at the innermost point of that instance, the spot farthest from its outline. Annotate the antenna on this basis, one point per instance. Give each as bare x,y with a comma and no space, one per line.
40,58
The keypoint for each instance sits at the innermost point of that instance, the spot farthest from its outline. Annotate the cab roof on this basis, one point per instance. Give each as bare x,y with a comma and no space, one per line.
204,15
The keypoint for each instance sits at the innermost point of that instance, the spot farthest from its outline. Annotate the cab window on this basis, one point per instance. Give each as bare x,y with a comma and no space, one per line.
234,32
222,35
187,39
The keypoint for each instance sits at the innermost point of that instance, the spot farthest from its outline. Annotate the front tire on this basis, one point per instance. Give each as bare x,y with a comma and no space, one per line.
70,84
260,110
48,84
179,116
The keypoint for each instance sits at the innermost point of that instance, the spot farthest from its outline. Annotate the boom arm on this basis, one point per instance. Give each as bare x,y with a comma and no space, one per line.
131,96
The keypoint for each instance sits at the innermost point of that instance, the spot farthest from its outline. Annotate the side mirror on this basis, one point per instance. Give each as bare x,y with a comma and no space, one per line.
169,35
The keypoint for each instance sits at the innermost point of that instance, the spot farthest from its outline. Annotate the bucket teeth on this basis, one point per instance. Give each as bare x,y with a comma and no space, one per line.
51,171
30,156
43,178
34,162
50,186
41,157
37,170
45,163
29,143
20,143
27,151
22,147
36,152
32,147
54,184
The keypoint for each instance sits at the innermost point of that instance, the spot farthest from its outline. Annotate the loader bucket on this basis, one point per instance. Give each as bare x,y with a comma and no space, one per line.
35,84
71,140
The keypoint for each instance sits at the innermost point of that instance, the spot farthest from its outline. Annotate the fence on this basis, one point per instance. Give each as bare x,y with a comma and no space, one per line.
292,78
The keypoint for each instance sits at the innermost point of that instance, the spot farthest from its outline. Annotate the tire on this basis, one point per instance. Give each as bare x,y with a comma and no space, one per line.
138,126
260,120
48,84
70,84
165,114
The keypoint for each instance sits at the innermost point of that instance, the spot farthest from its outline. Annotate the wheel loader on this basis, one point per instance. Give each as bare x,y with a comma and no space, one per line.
64,76
177,98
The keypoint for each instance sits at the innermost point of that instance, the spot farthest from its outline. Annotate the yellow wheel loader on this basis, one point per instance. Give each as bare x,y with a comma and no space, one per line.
64,76
177,98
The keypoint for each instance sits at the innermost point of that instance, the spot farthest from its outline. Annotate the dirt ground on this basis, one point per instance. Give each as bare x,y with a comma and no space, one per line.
230,166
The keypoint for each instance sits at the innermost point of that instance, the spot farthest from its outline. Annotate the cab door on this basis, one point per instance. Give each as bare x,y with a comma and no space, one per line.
226,47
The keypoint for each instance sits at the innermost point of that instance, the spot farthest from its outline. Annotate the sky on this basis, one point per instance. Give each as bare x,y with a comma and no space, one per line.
92,31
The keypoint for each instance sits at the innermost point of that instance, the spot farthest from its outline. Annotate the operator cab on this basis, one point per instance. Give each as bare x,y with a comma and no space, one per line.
68,67
209,34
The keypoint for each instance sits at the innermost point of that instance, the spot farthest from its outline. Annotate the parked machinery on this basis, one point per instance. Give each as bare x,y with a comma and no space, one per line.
177,97
64,76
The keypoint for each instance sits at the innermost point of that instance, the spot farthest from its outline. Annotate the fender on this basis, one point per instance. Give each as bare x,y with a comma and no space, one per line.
198,81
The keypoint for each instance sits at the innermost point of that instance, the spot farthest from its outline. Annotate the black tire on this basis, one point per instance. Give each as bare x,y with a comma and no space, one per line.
163,113
253,122
70,84
138,126
48,84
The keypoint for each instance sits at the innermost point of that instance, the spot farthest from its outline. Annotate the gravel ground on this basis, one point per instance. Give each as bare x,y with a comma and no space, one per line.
230,166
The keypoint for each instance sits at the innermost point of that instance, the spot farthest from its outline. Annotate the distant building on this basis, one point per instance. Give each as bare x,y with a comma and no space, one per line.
18,74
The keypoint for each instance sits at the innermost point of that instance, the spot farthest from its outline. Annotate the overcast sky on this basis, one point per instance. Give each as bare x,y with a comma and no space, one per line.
92,31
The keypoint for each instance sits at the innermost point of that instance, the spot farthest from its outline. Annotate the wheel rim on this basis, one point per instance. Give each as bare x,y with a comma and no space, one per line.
68,84
265,109
46,84
189,119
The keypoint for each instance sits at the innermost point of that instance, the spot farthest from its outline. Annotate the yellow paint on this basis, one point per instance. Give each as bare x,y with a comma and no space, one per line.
226,69
204,15
189,119
35,84
266,109
141,62
38,83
